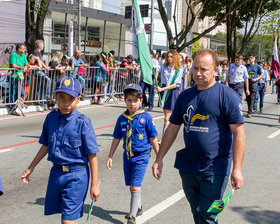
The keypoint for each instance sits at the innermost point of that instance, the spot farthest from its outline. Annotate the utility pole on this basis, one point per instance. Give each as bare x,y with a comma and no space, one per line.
152,26
79,23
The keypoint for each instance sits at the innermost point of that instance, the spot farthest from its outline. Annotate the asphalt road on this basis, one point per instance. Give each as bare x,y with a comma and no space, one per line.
163,202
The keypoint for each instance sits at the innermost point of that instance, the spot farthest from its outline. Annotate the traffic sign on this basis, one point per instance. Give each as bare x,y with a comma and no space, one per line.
186,50
64,47
148,28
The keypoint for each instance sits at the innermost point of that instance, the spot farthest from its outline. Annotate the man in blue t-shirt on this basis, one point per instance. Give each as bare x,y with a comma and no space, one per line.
214,137
255,74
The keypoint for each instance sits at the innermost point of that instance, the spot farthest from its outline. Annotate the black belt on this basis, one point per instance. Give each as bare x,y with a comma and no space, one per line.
70,167
141,153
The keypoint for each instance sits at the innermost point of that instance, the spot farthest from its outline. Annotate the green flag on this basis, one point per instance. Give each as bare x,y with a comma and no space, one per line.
219,205
140,45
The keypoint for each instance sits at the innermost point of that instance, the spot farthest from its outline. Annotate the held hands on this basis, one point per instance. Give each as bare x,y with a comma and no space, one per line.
109,163
157,169
94,192
237,179
26,174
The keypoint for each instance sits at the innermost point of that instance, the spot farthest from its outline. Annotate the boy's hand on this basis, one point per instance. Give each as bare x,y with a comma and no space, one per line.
157,169
94,192
26,174
109,163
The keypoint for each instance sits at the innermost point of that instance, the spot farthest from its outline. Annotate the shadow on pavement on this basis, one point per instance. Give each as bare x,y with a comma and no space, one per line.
29,136
39,201
256,215
103,214
263,124
104,137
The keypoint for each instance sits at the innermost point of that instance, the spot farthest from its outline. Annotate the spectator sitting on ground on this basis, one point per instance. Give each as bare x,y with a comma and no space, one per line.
18,61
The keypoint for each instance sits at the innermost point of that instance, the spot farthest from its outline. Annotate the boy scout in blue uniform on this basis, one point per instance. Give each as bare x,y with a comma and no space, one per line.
138,131
69,140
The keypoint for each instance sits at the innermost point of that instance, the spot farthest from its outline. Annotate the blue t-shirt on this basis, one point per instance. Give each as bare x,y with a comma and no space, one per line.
77,62
208,139
143,128
253,72
70,138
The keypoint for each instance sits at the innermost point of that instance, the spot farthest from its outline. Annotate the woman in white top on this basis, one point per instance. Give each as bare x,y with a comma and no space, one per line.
171,78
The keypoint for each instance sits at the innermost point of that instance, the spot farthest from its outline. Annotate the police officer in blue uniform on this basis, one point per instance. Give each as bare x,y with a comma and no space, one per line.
69,140
138,131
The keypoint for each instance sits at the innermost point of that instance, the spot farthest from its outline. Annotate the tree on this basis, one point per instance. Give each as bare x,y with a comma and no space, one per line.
270,25
196,9
35,14
248,18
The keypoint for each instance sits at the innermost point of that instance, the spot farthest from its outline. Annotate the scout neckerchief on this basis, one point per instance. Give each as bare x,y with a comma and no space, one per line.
166,93
129,153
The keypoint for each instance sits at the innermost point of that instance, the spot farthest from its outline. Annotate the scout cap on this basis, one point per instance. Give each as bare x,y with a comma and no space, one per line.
68,85
134,87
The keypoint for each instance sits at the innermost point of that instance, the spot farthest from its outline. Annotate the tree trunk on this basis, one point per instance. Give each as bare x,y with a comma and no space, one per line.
34,24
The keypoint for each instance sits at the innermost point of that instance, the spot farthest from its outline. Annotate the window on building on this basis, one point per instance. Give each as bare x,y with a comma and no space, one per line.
144,9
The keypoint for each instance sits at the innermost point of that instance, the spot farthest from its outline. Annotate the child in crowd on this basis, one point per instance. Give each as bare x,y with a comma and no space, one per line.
69,140
34,63
223,74
138,131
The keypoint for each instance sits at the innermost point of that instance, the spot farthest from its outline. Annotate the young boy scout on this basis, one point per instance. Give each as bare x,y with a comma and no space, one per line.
69,140
139,133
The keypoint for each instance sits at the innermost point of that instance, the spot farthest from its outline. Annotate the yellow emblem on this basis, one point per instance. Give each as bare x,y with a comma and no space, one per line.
141,136
200,117
67,82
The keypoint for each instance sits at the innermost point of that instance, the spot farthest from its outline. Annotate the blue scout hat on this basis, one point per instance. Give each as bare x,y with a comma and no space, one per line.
134,86
68,85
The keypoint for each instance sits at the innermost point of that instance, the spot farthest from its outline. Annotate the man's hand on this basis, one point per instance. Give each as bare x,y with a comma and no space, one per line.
157,169
247,92
94,192
109,163
26,174
237,179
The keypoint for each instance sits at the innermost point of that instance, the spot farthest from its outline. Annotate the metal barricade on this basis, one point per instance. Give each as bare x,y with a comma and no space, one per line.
37,86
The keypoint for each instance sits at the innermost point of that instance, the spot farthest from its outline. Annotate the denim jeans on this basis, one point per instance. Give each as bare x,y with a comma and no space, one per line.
14,90
43,83
151,90
201,192
260,92
273,80
251,98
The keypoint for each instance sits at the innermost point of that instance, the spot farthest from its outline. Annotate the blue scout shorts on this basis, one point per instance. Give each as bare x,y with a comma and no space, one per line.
67,191
135,169
1,188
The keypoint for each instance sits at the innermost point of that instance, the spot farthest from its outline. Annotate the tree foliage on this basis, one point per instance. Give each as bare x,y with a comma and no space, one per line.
270,25
248,18
197,9
35,14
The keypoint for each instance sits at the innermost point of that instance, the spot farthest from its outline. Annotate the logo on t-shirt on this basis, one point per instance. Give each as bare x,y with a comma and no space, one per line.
190,118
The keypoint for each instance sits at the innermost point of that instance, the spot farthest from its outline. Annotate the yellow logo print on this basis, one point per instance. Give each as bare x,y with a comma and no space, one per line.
67,82
200,117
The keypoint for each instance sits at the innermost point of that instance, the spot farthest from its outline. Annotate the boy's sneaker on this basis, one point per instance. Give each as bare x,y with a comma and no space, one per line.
254,111
261,111
139,212
131,220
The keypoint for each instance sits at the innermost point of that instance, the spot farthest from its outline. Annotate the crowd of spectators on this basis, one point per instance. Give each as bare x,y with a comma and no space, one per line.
94,74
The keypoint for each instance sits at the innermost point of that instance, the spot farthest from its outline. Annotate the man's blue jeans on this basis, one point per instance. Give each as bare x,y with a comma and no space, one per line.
261,92
151,90
43,83
201,192
14,90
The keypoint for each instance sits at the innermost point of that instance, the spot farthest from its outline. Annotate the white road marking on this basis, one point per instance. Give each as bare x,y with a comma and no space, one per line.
273,135
6,150
160,207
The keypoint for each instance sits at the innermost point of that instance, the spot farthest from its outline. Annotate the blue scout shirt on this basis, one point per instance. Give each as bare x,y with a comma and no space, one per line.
253,71
143,128
237,74
208,139
69,138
